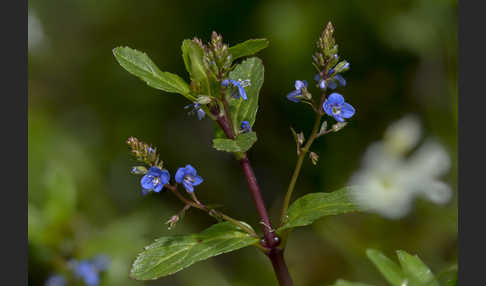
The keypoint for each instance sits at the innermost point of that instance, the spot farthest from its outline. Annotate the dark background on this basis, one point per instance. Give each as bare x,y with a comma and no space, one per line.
83,106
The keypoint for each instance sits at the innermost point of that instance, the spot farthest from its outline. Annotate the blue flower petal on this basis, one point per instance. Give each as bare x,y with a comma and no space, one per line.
347,110
190,170
179,176
145,191
158,187
242,92
322,84
56,280
200,114
338,118
101,262
340,79
292,96
197,180
188,186
327,107
165,177
332,84
225,82
147,182
245,126
317,77
336,99
154,171
299,85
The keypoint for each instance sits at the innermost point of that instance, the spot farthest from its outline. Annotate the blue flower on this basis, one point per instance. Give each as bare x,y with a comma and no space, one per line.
323,84
337,108
188,177
239,84
340,79
196,108
101,262
55,280
87,271
331,82
293,95
245,126
155,179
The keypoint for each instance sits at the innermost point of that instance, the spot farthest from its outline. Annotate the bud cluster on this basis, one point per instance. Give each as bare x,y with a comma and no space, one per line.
326,61
144,153
217,59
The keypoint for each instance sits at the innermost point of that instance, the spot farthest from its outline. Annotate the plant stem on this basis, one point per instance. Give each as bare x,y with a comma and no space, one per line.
280,268
298,166
212,212
273,252
259,203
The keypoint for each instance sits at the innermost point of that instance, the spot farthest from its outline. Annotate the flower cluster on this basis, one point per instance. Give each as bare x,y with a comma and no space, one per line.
88,271
390,178
144,152
326,61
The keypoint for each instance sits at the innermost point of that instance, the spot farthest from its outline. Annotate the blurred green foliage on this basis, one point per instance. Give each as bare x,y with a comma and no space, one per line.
83,106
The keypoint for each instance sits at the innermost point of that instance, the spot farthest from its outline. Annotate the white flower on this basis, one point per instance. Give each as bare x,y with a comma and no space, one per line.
388,183
402,135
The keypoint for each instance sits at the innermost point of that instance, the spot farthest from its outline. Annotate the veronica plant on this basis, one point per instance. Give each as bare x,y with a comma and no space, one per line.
224,85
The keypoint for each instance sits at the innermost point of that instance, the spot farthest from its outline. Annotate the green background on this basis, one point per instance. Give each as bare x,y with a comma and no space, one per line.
83,106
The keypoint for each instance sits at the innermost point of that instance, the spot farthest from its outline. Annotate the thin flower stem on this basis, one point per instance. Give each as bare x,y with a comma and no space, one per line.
298,166
212,212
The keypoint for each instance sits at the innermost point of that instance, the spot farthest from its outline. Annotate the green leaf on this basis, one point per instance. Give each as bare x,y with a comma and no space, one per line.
242,143
227,145
417,273
170,254
341,282
140,65
390,270
311,207
248,48
448,277
246,140
192,55
241,109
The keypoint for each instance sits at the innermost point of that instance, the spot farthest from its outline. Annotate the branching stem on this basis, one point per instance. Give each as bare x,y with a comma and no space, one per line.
197,204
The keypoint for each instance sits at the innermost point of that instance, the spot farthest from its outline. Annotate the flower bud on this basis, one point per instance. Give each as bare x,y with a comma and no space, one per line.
139,170
314,157
338,126
203,100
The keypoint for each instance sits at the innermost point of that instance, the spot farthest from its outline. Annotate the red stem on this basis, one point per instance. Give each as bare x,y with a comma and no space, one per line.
271,242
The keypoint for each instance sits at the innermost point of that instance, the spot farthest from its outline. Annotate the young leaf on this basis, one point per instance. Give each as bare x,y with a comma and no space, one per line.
248,48
242,110
242,143
417,273
193,54
341,282
311,207
389,269
170,254
140,65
